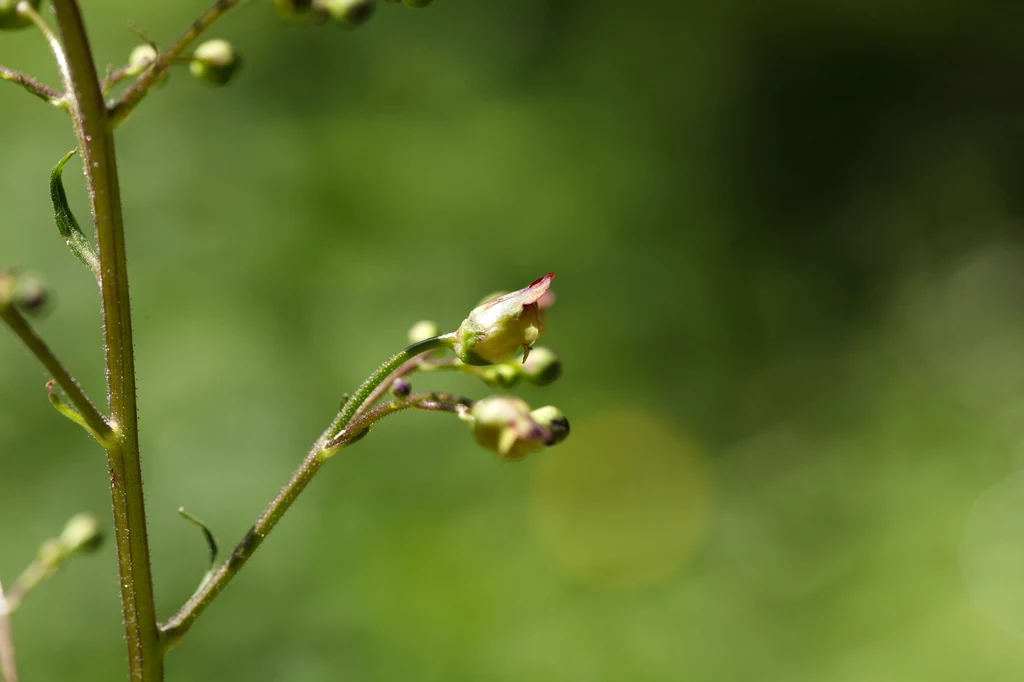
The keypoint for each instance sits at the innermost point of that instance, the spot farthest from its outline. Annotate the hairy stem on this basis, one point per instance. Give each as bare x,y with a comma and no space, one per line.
20,326
134,94
330,442
96,142
38,89
371,390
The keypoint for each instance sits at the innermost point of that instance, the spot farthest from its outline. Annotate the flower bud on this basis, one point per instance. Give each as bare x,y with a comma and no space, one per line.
10,19
293,10
504,375
25,291
543,366
401,387
503,424
215,62
82,534
495,330
554,420
346,12
142,56
423,330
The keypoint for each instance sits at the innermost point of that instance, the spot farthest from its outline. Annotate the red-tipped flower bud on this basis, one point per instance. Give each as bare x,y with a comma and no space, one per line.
495,330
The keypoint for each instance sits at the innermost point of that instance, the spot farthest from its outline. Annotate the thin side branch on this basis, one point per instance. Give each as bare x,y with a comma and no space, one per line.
134,94
40,90
20,326
325,447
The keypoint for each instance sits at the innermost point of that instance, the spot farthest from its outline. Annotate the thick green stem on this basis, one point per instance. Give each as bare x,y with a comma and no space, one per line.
96,142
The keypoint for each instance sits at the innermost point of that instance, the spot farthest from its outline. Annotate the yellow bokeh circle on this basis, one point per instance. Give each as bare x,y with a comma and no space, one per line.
622,502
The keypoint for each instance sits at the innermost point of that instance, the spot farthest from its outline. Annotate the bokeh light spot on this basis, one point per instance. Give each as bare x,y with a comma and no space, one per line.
622,502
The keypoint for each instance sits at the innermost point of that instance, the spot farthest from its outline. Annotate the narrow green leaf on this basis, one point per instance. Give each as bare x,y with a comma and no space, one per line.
66,223
70,411
211,545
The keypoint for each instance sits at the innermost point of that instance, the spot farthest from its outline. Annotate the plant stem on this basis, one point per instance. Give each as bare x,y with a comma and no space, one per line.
38,89
370,390
17,322
134,94
446,402
325,447
8,663
96,142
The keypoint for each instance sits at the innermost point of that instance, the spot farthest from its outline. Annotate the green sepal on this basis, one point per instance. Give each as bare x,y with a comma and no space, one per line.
65,219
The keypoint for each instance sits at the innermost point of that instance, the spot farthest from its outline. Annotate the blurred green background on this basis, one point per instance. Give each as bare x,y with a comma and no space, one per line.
791,309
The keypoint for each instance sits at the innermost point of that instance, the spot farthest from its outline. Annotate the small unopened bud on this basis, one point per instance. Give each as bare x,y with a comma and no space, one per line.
495,330
30,293
503,424
554,420
10,18
215,62
543,366
504,375
347,12
141,57
401,387
22,290
423,330
82,534
293,10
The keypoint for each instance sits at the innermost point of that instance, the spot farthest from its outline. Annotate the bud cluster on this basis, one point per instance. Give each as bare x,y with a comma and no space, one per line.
486,345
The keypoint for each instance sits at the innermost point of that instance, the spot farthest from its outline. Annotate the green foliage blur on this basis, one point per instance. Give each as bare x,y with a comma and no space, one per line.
790,306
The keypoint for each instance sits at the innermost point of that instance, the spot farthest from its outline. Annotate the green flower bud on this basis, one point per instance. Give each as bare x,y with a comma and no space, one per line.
347,12
142,56
10,19
503,425
215,62
293,10
423,330
495,330
25,291
554,420
82,534
504,375
543,366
